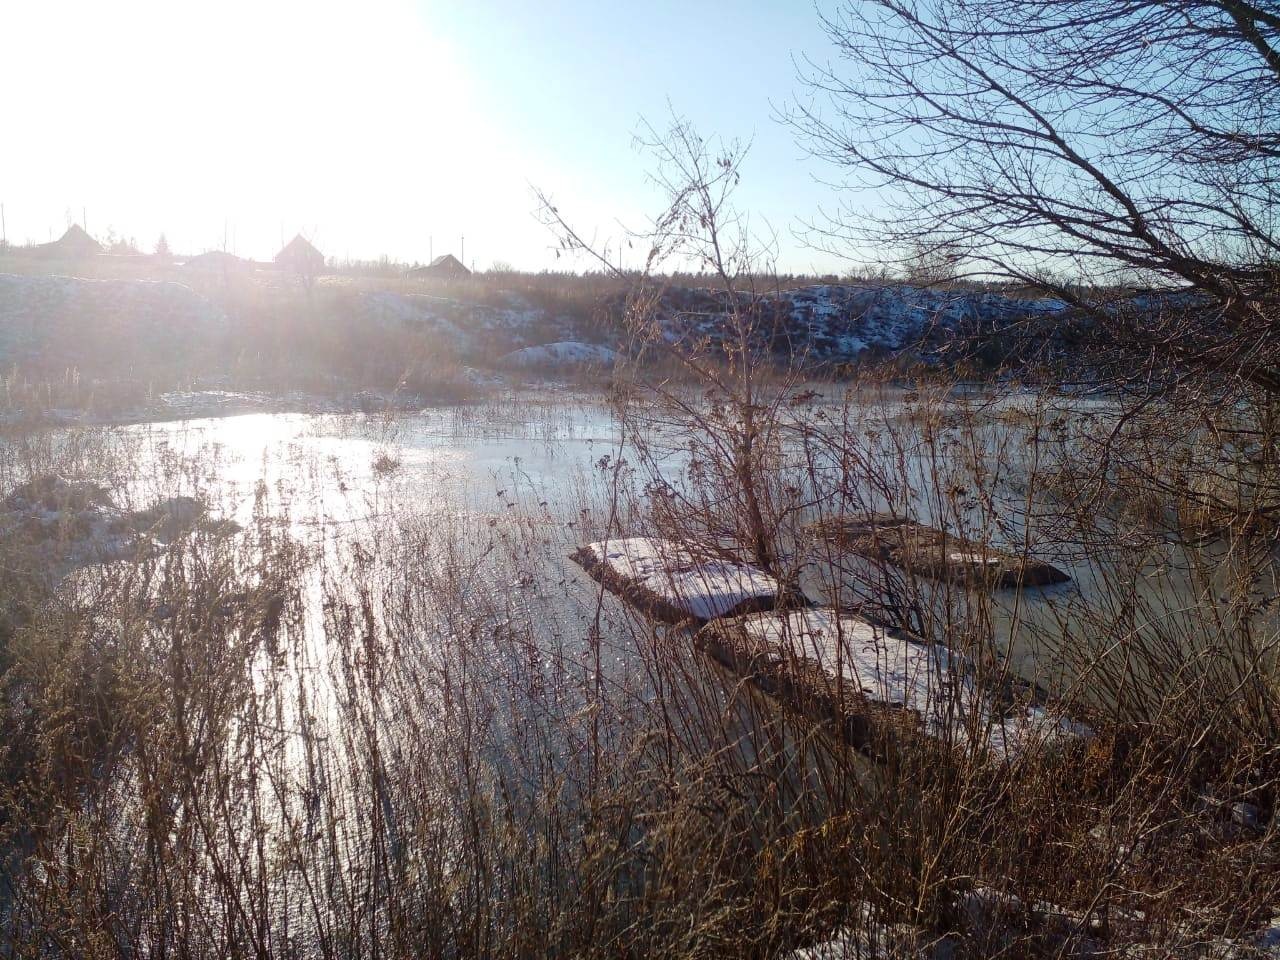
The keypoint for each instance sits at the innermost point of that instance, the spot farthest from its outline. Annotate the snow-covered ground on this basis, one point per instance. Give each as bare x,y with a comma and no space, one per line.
819,324
60,524
997,919
39,313
567,353
473,330
387,309
835,323
842,321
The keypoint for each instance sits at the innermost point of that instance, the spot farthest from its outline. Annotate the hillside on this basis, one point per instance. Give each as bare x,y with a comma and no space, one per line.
167,332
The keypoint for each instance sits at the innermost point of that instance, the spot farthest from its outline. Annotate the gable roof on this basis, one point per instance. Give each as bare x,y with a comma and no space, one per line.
216,259
75,240
445,265
298,250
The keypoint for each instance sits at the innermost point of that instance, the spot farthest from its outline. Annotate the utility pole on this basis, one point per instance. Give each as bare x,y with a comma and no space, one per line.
4,231
431,248
464,250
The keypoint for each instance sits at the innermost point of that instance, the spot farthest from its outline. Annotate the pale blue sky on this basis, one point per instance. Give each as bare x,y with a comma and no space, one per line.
372,127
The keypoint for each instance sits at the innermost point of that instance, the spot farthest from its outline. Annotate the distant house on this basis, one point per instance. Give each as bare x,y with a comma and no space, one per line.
301,257
74,243
444,267
217,260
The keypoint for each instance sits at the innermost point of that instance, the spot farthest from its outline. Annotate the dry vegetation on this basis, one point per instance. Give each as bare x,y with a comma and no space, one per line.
430,738
421,732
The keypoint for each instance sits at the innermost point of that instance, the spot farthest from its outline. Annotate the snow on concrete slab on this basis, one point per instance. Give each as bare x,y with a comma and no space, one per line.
870,679
678,582
970,557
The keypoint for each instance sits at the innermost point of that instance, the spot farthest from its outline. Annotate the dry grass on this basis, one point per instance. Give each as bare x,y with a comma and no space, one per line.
430,739
420,733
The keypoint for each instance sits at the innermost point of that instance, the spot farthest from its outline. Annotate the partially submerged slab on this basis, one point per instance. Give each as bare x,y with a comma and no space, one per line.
677,582
933,553
875,683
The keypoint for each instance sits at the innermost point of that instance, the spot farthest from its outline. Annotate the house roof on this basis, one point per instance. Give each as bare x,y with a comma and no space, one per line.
216,258
299,247
444,264
76,238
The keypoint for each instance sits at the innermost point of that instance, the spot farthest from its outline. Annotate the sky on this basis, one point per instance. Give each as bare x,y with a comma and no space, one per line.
390,127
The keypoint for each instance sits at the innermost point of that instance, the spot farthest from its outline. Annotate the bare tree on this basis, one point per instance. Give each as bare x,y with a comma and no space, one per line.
1122,141
929,264
1088,147
717,342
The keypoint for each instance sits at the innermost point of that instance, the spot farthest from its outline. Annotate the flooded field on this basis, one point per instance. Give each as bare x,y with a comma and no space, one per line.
508,490
400,711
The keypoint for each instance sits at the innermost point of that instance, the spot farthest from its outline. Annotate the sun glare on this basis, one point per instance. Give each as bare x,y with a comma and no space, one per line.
243,120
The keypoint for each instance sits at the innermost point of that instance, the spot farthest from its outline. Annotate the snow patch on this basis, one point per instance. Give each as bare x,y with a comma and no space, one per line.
968,556
870,937
837,322
702,587
564,353
414,311
935,683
